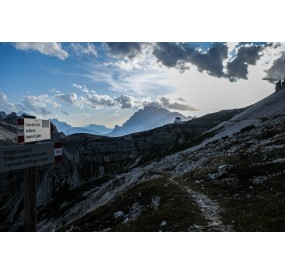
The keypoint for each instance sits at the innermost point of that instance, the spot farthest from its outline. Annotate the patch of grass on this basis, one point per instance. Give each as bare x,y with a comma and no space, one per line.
248,206
176,208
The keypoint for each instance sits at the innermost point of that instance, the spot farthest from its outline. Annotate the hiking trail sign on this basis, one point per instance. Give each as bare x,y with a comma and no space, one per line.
29,155
31,130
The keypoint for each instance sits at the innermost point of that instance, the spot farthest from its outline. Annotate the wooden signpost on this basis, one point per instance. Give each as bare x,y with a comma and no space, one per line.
29,157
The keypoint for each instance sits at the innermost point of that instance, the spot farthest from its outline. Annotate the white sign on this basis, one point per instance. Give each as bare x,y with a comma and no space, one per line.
31,130
29,155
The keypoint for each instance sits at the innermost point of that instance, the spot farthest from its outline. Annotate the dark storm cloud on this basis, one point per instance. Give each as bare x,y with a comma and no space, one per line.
247,55
183,55
277,70
179,55
212,60
171,54
125,49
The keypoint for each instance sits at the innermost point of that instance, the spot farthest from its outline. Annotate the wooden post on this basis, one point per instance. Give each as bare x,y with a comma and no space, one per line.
30,197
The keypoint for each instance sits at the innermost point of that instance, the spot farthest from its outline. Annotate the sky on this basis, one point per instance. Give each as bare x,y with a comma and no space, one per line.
38,71
105,83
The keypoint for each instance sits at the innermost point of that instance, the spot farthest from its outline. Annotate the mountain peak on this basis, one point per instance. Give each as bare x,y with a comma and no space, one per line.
145,119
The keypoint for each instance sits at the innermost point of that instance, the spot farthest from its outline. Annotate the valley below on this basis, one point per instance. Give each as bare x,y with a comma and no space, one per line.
221,172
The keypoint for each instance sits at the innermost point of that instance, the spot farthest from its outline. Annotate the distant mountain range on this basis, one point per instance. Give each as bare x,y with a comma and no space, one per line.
145,119
90,129
148,118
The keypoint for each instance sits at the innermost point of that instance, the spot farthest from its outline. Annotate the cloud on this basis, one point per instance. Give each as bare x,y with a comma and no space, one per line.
232,48
46,48
96,101
124,49
221,60
93,100
277,70
143,61
81,49
5,105
126,102
65,113
181,56
37,104
181,99
165,103
34,105
39,101
212,60
171,54
71,98
246,55
44,111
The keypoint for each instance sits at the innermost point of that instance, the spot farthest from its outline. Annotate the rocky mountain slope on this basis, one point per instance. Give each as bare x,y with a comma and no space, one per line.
222,172
148,118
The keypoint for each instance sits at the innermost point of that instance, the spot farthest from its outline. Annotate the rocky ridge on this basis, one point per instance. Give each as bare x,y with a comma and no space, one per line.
203,175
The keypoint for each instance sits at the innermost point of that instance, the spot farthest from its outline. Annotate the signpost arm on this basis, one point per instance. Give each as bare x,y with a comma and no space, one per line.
31,199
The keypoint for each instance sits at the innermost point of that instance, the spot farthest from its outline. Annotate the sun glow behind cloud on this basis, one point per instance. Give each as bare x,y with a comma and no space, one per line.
119,78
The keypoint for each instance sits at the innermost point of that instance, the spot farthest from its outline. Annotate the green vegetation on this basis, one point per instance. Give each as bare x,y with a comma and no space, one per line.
251,193
176,208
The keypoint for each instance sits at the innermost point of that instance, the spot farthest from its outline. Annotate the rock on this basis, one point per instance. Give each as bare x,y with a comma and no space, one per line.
135,211
155,201
224,168
118,215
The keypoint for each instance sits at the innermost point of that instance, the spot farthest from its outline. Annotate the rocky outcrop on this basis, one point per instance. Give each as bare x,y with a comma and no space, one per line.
88,158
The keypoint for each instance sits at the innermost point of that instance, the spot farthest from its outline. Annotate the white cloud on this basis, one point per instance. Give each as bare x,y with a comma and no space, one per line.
232,47
134,82
270,54
127,102
46,48
71,98
37,105
165,103
84,49
5,105
144,61
40,101
33,105
93,100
